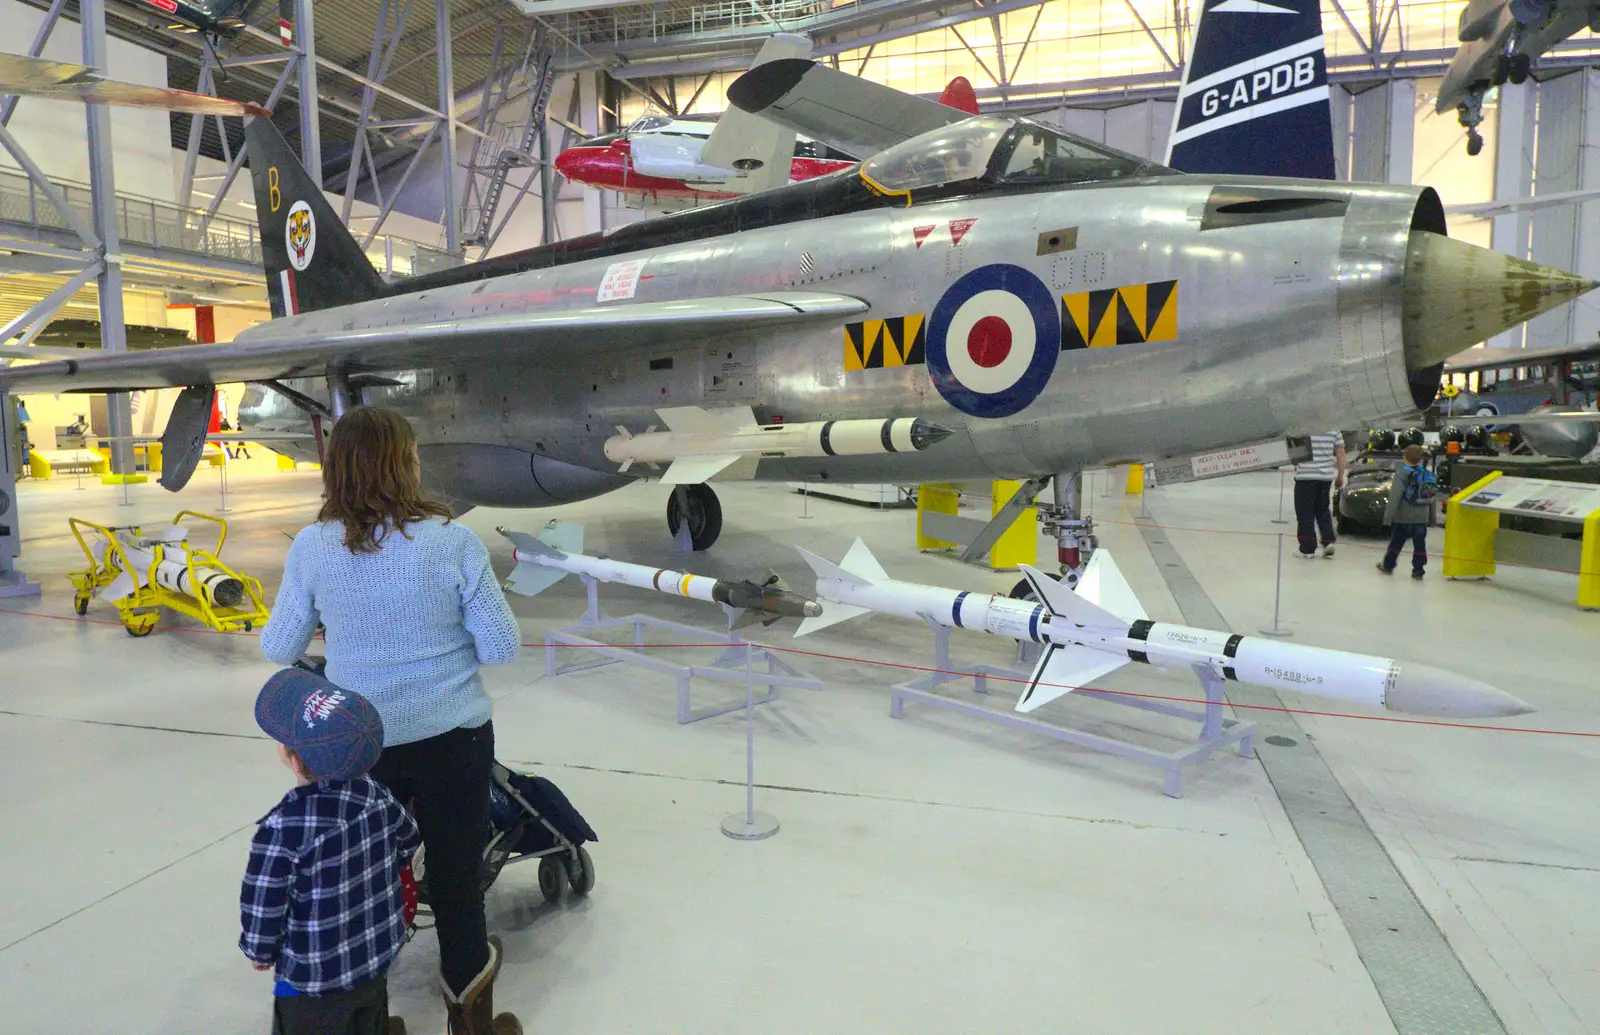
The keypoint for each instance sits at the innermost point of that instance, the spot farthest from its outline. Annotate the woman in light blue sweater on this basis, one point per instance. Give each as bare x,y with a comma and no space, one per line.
410,609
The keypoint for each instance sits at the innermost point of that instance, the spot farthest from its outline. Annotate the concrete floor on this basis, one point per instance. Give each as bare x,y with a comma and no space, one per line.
932,874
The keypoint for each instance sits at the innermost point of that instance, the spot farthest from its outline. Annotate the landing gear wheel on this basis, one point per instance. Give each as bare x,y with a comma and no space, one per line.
580,872
1521,68
553,878
1474,144
139,631
81,605
1500,71
704,514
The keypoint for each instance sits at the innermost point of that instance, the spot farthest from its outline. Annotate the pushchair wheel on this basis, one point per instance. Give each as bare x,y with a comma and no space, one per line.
552,878
580,872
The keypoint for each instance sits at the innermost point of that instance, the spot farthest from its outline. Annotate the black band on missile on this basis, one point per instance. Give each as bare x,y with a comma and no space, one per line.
1230,650
1140,630
827,447
886,435
655,580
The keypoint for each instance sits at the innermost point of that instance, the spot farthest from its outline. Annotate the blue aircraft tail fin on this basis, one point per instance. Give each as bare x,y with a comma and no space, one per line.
1255,92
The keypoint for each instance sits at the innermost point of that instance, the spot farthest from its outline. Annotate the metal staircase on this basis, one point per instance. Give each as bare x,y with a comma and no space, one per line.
488,178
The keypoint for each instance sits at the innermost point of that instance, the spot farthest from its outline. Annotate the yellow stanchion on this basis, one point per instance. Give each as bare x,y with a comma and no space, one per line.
1589,563
936,498
1020,543
1469,534
285,463
1136,480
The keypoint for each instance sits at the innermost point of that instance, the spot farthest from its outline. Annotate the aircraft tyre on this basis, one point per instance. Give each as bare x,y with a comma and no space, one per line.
1521,68
1500,71
1474,145
704,514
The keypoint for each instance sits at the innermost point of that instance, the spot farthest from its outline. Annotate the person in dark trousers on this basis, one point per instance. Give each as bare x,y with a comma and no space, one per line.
1409,511
1315,482
321,903
411,609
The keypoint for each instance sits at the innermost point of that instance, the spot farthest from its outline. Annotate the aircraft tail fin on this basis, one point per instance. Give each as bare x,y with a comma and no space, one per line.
312,261
960,95
760,150
1255,93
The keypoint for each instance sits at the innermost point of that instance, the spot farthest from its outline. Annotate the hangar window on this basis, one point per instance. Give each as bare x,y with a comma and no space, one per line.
661,364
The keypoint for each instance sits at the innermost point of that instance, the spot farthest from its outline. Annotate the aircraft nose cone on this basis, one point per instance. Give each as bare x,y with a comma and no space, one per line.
1457,295
1425,690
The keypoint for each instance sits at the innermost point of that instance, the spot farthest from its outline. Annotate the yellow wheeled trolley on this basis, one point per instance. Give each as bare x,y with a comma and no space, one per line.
143,573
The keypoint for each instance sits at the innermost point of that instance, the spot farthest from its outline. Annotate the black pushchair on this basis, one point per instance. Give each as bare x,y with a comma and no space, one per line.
529,818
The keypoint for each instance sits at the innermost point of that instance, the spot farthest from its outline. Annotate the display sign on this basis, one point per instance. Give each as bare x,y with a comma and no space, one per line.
1537,497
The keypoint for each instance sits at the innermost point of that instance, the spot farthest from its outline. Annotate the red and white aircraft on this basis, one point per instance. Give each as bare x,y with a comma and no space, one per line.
663,157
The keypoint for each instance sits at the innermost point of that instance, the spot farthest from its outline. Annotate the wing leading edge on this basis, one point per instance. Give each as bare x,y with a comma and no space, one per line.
291,347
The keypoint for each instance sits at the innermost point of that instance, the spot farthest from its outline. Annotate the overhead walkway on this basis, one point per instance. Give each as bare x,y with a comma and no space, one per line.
167,240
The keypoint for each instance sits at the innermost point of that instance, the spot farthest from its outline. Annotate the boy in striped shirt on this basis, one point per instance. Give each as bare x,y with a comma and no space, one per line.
1315,482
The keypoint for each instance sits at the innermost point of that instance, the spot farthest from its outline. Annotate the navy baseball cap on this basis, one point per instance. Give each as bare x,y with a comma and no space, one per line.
336,732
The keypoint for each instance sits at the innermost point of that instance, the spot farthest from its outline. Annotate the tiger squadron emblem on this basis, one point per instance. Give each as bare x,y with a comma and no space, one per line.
301,231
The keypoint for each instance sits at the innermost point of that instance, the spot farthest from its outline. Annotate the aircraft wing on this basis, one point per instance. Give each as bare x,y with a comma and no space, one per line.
841,110
759,148
36,77
1477,359
287,348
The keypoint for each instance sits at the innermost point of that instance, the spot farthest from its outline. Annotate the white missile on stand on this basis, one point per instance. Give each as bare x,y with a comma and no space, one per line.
1101,627
222,589
555,553
701,444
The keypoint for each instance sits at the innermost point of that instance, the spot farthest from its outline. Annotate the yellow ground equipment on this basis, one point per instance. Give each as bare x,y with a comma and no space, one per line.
143,573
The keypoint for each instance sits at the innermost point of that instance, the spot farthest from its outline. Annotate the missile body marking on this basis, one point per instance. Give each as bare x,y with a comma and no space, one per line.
1101,627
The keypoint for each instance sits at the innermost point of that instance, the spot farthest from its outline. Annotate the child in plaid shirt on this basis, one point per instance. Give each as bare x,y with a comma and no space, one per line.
321,903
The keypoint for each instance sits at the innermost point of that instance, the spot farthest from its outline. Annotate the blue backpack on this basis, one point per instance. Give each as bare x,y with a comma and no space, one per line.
1421,486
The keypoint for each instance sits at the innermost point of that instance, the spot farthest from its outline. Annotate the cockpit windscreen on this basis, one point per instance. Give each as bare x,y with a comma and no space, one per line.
998,149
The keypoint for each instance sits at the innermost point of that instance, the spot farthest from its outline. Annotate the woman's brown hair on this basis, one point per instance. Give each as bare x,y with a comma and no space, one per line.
370,480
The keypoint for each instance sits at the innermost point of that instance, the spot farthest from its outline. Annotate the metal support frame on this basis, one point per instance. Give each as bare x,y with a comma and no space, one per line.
13,582
736,663
1216,732
236,161
103,191
399,187
447,135
8,104
305,32
386,38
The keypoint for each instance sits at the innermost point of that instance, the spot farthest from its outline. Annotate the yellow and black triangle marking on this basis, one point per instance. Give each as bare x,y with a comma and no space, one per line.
898,341
1120,316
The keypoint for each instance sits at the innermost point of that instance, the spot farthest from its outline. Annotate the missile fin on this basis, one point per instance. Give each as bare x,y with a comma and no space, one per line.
832,614
121,587
861,563
826,569
1103,583
1064,603
694,420
565,536
697,469
1063,669
625,465
529,580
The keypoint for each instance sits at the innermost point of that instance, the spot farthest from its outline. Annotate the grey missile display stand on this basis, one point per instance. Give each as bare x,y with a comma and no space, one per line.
1216,730
736,664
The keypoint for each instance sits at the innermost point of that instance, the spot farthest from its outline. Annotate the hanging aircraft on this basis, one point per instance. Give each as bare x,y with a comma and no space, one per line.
1500,40
1048,302
706,158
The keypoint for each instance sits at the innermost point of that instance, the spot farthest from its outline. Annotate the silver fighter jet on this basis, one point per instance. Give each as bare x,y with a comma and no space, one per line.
1050,302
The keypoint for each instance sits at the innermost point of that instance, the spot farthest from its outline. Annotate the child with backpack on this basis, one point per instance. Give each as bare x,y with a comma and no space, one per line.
1409,511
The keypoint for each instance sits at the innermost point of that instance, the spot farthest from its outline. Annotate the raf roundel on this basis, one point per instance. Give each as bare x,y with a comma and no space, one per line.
993,340
300,233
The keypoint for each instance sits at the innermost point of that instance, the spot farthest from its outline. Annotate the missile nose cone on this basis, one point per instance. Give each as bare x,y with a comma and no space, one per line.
1425,690
1456,295
926,433
812,609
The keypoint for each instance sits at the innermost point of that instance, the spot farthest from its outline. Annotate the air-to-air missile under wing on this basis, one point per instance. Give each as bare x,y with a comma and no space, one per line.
1052,303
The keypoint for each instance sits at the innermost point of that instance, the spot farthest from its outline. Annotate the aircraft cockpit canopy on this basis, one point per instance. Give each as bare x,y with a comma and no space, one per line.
1000,150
